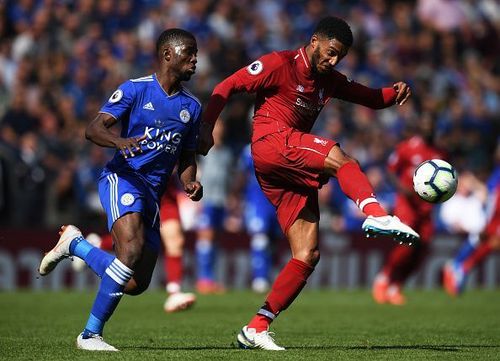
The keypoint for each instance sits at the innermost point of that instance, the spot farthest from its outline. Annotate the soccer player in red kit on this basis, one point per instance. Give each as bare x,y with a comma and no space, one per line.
291,164
173,241
411,209
455,273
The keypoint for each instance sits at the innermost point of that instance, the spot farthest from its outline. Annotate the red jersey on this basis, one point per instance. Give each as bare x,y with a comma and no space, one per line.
408,155
289,94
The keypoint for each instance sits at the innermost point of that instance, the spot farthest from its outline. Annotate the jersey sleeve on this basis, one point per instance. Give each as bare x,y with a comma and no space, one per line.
191,140
121,101
261,74
351,91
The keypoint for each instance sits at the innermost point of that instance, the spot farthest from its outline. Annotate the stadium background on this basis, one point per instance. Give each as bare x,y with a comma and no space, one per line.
59,60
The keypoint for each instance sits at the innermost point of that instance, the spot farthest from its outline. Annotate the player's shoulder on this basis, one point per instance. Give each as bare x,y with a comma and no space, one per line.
271,61
137,84
143,79
187,93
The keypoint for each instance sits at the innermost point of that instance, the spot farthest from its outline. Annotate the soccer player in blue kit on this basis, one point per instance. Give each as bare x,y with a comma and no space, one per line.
160,122
260,222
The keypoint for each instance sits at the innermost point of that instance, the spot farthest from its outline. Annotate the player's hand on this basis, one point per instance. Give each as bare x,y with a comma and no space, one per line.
194,190
127,146
403,92
205,138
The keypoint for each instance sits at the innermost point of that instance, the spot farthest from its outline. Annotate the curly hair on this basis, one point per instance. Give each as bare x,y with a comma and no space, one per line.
335,28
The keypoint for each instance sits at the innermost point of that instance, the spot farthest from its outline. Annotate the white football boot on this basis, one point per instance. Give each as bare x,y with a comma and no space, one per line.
93,343
79,264
249,338
179,301
390,226
60,251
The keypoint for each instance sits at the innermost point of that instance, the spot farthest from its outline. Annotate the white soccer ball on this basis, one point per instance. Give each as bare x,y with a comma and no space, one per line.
435,180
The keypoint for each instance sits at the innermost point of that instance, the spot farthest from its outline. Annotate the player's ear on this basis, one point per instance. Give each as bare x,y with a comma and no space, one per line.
314,41
167,54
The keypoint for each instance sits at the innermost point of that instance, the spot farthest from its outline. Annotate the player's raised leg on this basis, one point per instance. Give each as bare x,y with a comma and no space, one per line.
356,186
113,273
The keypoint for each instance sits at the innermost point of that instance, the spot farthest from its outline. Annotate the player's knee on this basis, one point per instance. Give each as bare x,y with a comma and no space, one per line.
130,253
136,287
311,256
336,159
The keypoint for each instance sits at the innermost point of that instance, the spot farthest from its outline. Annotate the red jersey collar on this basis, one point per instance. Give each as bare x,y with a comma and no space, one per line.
304,62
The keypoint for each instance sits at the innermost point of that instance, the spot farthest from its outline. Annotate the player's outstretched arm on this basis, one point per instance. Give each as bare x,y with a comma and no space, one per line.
187,175
205,138
98,132
375,98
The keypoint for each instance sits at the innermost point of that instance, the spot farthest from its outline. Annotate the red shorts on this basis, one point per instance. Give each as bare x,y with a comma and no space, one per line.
417,214
169,208
289,166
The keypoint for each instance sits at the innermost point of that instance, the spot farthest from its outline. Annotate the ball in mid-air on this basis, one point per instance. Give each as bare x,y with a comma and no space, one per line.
435,180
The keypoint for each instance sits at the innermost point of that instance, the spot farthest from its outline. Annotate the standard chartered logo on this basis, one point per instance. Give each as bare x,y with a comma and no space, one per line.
161,140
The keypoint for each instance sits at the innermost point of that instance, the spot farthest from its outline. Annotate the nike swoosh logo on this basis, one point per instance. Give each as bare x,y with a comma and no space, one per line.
384,223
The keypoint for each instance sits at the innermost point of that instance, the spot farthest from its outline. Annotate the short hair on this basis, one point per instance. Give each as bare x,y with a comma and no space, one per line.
173,35
335,28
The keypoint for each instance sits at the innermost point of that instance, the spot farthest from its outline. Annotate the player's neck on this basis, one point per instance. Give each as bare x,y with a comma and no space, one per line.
169,82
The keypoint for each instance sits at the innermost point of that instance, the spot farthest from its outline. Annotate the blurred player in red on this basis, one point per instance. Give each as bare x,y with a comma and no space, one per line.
455,273
411,209
173,241
172,238
291,164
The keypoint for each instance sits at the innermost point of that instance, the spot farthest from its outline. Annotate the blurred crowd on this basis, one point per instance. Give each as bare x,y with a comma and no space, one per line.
60,60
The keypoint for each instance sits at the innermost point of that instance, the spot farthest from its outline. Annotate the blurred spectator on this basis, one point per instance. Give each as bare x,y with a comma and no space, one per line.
58,59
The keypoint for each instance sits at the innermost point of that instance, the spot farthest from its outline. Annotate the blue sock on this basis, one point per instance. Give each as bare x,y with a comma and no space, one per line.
205,259
465,251
110,292
261,258
97,259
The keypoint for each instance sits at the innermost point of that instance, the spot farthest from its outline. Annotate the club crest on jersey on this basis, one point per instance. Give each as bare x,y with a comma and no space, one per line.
127,199
300,88
184,115
116,96
255,68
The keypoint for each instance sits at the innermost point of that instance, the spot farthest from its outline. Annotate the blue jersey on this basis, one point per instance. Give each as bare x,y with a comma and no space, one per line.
170,124
260,215
253,193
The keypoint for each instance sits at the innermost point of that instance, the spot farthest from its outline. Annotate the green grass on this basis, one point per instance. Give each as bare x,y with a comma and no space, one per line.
321,325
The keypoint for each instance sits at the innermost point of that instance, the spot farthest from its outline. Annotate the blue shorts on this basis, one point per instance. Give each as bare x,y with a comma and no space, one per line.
260,217
126,193
211,216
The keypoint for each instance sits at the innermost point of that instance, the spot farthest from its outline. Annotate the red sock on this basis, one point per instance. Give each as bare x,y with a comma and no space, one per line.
397,257
173,269
286,288
403,261
477,256
356,186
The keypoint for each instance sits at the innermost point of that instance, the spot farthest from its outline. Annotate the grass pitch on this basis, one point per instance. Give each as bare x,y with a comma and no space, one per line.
320,325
